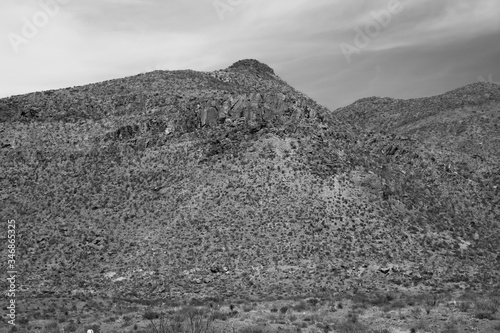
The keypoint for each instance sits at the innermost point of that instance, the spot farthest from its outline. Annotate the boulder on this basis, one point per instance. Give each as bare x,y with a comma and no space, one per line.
209,116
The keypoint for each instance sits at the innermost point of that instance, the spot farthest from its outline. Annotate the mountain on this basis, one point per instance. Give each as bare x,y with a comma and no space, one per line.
233,185
464,120
454,136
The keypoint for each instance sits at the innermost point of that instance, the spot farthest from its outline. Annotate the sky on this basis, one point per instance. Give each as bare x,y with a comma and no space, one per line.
335,51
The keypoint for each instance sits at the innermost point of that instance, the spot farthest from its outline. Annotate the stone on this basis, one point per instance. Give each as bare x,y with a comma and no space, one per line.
209,117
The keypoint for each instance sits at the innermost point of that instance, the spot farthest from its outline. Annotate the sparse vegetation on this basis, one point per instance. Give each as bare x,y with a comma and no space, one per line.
188,319
351,327
149,315
207,188
284,309
421,325
450,328
252,329
464,306
52,327
300,306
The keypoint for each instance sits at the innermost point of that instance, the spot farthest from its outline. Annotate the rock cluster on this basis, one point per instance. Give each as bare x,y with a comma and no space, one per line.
256,107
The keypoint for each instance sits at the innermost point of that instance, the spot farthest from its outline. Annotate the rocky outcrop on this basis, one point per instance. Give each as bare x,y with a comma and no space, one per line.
152,126
256,107
253,65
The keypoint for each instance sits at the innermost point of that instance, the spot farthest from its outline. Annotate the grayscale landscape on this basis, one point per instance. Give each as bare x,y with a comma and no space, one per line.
228,200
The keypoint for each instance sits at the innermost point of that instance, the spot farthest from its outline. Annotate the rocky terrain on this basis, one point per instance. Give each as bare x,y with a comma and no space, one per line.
186,186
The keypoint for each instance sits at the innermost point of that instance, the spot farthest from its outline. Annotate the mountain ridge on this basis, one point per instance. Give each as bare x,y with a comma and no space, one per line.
233,184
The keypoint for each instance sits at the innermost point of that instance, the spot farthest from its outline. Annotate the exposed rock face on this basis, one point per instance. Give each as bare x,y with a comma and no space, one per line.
209,117
256,107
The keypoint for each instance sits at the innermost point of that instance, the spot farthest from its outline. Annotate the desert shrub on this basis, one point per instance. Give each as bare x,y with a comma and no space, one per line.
486,305
252,329
332,307
362,306
273,310
164,326
416,312
484,315
312,318
52,327
149,315
379,299
247,308
421,325
284,309
313,301
301,306
398,304
71,327
350,327
429,300
450,328
221,315
485,309
23,321
196,319
464,306
325,327
352,317
188,319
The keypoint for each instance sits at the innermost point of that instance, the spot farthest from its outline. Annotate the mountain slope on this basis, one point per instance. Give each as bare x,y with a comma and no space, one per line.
463,117
459,131
229,184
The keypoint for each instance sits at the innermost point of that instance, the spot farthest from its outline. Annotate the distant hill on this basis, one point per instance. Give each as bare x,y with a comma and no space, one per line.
465,117
232,184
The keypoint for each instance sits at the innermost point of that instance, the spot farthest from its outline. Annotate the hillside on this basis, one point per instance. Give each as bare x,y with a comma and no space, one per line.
231,184
460,136
466,120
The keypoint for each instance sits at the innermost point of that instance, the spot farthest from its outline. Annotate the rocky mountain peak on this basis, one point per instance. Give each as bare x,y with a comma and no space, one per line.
253,65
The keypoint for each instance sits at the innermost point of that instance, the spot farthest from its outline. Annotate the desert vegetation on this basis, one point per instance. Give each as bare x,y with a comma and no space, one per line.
350,312
190,188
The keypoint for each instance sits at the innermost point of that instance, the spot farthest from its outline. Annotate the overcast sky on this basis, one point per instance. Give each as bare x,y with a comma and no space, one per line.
335,51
